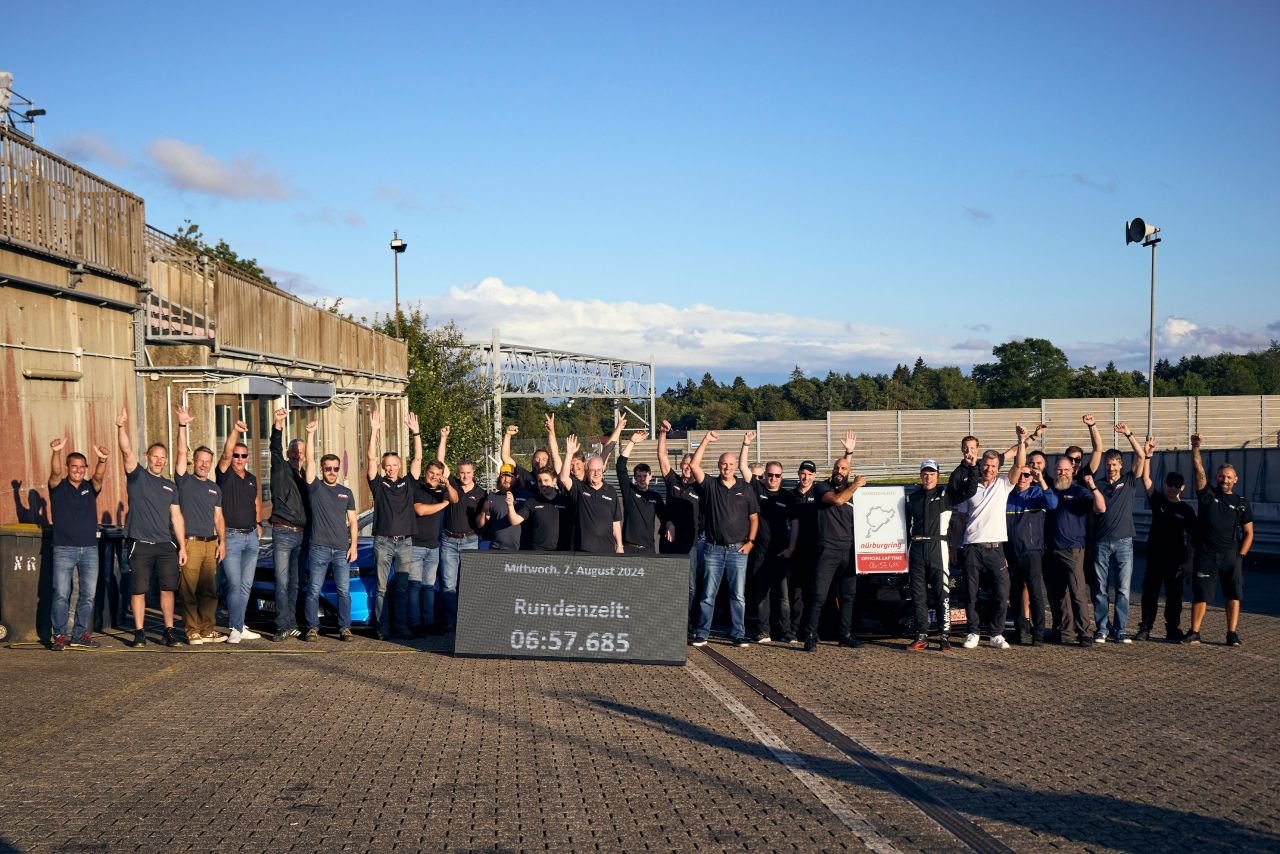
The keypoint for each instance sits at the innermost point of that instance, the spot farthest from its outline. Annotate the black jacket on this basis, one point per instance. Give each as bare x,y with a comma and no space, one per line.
288,488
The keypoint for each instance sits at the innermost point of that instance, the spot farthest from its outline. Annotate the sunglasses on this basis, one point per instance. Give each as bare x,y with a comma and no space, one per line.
332,468
1075,461
1025,474
241,456
773,474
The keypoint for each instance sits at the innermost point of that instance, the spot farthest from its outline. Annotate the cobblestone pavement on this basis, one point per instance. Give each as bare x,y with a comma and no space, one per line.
377,746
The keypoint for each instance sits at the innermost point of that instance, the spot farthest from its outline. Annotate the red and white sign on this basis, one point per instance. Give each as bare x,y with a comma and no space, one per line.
880,529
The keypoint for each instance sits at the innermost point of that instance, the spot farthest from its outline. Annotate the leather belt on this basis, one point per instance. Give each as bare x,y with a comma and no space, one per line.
451,535
203,539
934,537
286,525
985,546
242,530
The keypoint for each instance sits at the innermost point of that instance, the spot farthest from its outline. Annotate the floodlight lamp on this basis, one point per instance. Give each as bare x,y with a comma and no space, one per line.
1137,230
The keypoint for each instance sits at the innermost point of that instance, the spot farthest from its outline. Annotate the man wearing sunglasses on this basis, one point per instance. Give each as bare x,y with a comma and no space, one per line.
1025,511
767,570
334,537
241,510
1113,558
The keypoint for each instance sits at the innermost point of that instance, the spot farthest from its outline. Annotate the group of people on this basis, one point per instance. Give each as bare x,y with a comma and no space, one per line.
1025,536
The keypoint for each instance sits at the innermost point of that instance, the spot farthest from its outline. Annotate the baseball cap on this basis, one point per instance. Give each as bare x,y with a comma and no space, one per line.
929,464
507,468
809,465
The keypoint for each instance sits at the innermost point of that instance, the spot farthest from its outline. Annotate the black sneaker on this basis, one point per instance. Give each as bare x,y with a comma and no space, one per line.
280,637
944,645
810,644
1173,634
59,643
346,636
699,641
1233,639
171,637
139,638
850,641
1085,642
1191,639
1037,639
85,641
1142,634
741,642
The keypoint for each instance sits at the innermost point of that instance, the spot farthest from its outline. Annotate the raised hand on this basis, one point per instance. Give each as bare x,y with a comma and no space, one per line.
1088,481
1121,428
1039,431
550,422
712,436
849,441
242,428
513,429
184,415
101,451
1021,431
1195,441
123,418
638,437
511,499
1149,447
860,481
748,437
411,421
375,420
571,445
444,432
664,427
621,421
57,445
281,415
1089,420
311,427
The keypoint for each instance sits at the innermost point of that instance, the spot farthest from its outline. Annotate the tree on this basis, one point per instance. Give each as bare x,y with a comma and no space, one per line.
1025,371
189,237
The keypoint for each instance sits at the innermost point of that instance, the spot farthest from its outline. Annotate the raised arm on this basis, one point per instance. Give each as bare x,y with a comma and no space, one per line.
507,435
278,462
845,494
443,446
1099,500
229,446
849,441
1147,451
309,453
552,443
415,464
99,467
744,464
664,463
1138,454
56,466
1020,454
180,450
1197,464
570,448
371,455
619,424
698,474
127,455
1095,439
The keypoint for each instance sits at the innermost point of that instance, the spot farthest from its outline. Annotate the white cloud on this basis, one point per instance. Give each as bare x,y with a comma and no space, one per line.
91,148
187,166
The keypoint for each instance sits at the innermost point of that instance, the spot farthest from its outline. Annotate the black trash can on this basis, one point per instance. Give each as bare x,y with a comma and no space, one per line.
25,575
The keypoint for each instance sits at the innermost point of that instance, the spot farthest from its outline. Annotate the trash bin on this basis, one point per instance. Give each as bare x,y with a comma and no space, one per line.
22,571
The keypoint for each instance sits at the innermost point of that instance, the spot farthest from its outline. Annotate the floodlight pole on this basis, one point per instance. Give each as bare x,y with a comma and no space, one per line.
397,248
1151,351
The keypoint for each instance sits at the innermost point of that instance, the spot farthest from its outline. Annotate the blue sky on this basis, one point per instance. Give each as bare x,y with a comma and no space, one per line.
734,187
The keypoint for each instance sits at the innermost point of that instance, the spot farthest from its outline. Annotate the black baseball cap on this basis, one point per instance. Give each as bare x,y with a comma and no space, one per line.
809,465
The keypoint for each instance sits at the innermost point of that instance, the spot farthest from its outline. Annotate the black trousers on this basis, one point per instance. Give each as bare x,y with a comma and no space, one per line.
799,581
924,565
1026,572
833,565
770,576
1163,571
1068,593
989,557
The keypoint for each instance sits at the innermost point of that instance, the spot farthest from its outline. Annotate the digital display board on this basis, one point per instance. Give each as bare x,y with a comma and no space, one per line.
573,606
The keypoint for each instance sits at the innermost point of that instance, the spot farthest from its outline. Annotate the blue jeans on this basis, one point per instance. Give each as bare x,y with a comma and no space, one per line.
387,549
67,560
320,560
1112,565
422,586
451,550
727,562
287,547
239,566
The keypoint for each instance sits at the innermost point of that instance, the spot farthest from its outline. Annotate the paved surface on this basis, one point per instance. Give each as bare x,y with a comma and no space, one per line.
376,746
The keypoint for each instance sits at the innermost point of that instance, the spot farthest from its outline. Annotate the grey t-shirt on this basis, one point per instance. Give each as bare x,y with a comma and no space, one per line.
1117,522
198,498
150,498
503,534
329,506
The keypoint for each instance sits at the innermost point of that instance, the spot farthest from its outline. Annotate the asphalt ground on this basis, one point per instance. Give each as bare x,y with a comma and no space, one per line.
374,746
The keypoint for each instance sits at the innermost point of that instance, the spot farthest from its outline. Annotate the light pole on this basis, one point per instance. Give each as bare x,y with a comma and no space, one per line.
1138,231
397,248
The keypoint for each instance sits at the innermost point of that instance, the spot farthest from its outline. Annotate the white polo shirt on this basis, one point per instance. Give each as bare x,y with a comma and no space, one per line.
985,513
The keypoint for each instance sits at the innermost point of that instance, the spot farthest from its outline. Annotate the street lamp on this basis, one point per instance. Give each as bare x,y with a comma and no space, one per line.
397,247
1138,231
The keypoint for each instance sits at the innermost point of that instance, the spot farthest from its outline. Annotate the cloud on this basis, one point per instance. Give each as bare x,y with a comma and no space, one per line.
299,284
978,327
1175,337
329,216
976,214
186,166
973,344
1084,180
91,148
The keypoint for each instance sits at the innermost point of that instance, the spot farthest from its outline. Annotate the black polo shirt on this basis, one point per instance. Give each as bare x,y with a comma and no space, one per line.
329,506
392,506
1220,517
804,512
503,535
1117,522
835,521
544,512
597,510
75,514
728,510
239,495
199,499
642,510
460,518
774,531
426,532
1172,523
684,509
150,497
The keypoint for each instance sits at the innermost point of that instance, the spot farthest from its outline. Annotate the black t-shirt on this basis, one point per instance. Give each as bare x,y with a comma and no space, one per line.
75,513
642,511
544,511
597,510
684,509
199,499
150,498
239,495
773,533
804,511
426,531
1219,518
502,534
728,510
1117,522
835,521
460,518
329,506
1172,523
392,506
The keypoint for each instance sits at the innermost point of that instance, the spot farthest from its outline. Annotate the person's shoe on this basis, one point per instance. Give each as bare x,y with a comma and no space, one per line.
1084,642
171,637
998,642
1142,634
139,638
1016,639
59,643
249,634
85,641
1123,639
850,641
810,644
944,645
971,640
1037,639
764,639
1191,639
921,643
195,638
311,635
740,642
1233,639
294,632
279,637
235,637
214,636
699,641
1173,634
789,639
346,636
1099,638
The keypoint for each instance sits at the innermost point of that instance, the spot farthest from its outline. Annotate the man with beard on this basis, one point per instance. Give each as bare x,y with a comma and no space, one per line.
432,496
526,481
598,510
835,548
1170,550
925,507
985,533
201,502
288,521
1065,537
74,501
768,570
500,513
1113,561
964,479
545,512
684,511
732,522
461,533
1026,510
643,508
242,511
1224,535
393,523
802,551
335,534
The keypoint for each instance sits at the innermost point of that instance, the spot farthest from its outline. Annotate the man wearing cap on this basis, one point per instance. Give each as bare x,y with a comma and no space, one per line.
643,508
835,548
985,533
597,507
928,575
684,512
500,512
802,551
767,569
75,541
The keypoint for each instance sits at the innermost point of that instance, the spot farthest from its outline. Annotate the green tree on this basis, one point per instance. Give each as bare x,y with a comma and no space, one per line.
189,237
1025,371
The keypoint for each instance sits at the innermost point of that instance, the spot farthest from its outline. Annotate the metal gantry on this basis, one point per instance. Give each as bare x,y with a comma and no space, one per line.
514,370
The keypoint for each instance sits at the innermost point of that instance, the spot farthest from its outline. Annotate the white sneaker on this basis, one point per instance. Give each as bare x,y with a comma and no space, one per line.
998,642
249,634
234,637
971,641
